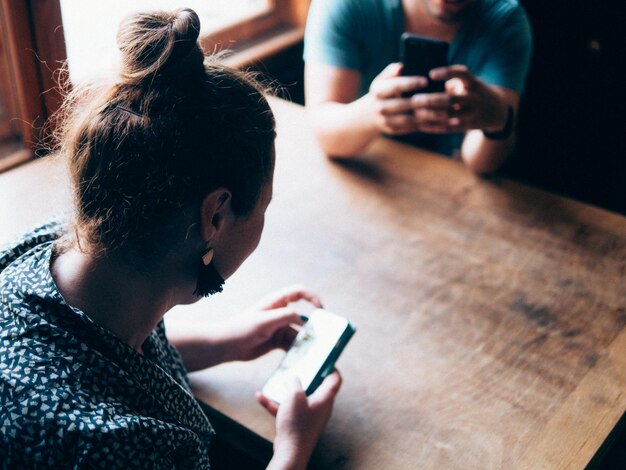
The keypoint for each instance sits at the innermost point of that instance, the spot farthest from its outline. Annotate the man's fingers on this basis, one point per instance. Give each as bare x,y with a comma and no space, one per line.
446,73
399,124
460,105
392,70
431,100
395,106
437,128
432,115
394,87
457,87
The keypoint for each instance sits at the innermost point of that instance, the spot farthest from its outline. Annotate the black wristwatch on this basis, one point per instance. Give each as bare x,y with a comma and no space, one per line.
507,130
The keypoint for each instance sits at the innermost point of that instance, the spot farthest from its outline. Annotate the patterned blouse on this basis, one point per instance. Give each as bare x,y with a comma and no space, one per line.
72,394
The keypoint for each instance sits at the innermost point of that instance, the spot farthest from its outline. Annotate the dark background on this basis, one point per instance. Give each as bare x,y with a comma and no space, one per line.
571,123
571,120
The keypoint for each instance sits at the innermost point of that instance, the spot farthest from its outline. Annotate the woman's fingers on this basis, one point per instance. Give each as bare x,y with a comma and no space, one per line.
272,320
266,403
328,390
287,295
286,338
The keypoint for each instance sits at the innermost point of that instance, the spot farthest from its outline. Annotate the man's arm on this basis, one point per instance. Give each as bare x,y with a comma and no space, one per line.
483,154
510,49
469,105
344,125
339,121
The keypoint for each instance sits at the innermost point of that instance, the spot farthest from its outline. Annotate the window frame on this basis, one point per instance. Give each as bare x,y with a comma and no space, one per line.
260,36
32,33
34,53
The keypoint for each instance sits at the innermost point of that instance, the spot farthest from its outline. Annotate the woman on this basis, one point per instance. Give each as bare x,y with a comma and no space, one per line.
172,169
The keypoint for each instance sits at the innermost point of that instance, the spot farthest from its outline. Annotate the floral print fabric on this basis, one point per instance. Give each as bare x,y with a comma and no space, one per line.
72,394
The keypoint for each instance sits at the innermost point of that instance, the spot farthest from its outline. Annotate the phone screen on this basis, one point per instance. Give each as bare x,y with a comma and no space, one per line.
312,355
419,56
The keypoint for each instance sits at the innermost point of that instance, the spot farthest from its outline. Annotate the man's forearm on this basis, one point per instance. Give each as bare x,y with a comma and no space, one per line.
483,155
344,130
485,150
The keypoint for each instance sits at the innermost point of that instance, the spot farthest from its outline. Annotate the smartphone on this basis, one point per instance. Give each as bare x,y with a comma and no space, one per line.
419,55
312,355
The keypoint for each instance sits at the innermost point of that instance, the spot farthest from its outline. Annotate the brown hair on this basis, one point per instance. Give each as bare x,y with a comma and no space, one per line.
153,144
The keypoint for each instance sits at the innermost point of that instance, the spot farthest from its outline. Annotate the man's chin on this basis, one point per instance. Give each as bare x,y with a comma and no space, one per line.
453,11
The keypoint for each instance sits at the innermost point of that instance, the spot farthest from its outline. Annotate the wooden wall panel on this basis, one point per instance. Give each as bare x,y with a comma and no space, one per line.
35,50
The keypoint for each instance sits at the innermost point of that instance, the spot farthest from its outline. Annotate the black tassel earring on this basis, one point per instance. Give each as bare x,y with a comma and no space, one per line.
209,280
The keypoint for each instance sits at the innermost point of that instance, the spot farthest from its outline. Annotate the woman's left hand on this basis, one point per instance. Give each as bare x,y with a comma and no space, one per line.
269,324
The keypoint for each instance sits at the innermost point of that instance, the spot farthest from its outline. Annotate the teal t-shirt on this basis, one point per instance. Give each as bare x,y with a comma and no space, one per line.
494,42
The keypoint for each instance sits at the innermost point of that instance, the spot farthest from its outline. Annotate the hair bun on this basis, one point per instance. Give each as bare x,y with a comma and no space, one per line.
159,44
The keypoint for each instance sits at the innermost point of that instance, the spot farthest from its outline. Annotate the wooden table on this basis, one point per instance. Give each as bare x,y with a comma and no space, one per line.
491,316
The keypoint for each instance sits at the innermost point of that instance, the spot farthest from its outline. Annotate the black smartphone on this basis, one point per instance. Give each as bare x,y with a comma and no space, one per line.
312,355
419,55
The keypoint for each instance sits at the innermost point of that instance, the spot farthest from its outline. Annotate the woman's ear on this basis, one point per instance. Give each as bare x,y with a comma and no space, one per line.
214,212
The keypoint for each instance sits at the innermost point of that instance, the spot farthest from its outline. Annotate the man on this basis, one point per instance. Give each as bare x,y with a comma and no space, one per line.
354,88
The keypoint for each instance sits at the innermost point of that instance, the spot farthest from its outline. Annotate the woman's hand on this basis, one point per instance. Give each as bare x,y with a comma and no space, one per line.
300,421
268,324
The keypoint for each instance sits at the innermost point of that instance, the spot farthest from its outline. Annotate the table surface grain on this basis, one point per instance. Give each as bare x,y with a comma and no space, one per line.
491,316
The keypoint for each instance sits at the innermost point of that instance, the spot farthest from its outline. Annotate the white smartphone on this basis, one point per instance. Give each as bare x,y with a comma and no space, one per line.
312,355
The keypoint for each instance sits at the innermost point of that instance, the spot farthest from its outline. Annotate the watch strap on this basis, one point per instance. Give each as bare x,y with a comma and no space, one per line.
507,130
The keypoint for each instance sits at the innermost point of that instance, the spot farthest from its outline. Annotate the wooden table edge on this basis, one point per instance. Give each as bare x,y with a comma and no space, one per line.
579,428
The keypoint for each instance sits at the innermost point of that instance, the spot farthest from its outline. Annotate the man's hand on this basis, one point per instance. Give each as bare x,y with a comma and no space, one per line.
393,112
467,104
345,125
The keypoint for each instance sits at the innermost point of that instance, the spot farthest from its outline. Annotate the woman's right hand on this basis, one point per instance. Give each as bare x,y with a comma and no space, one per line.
300,421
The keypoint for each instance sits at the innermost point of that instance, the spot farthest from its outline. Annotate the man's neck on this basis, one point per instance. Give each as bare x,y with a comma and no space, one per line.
418,20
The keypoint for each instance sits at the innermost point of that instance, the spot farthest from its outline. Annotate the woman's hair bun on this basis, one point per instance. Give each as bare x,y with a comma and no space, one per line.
159,44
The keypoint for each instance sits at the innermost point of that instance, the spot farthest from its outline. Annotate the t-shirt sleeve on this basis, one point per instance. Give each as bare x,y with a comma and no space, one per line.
329,37
511,51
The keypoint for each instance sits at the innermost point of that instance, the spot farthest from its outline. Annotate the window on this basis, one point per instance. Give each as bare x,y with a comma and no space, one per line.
30,51
33,45
10,138
90,27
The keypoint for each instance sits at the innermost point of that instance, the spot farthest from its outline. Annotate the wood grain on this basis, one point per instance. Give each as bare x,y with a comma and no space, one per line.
490,316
